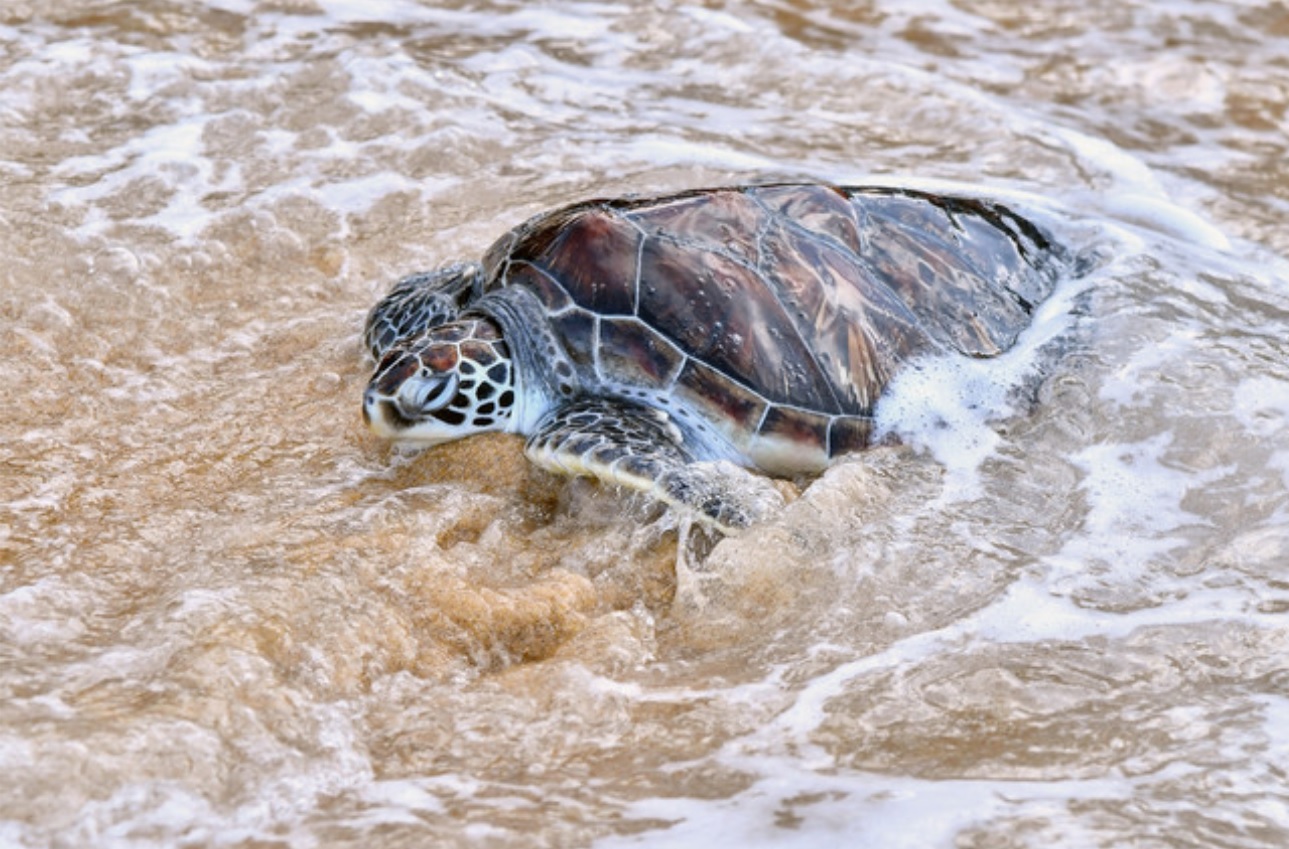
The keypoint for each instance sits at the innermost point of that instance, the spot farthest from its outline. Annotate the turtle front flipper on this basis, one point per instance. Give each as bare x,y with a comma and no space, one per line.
640,448
418,302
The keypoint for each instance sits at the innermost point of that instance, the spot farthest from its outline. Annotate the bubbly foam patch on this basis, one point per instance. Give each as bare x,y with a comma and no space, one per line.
949,404
1261,405
801,809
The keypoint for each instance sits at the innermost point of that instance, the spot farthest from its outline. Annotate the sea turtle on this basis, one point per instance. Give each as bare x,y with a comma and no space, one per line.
666,344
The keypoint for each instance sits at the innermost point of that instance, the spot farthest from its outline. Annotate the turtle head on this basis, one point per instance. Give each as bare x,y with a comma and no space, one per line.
449,382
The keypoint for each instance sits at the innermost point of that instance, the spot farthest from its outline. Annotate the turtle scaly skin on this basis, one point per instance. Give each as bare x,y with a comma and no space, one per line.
657,341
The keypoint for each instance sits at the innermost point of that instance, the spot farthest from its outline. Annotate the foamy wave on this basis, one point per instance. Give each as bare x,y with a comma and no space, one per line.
949,404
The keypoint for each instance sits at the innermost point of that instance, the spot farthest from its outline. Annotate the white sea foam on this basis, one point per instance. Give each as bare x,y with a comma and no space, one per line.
1135,522
1261,405
1134,491
402,800
169,153
1131,382
854,809
948,404
41,613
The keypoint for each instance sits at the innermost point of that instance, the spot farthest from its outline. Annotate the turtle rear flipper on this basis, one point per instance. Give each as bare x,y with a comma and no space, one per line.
639,448
418,302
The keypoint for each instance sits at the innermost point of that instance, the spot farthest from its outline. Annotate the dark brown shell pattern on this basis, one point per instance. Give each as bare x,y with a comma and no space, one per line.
776,314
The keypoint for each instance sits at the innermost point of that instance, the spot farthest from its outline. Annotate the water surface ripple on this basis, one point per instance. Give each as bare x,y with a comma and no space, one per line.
230,617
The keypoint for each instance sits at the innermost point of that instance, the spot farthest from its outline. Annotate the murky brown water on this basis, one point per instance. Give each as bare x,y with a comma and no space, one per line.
229,616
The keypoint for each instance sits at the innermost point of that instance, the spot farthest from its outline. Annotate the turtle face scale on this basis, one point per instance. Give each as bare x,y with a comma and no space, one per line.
452,381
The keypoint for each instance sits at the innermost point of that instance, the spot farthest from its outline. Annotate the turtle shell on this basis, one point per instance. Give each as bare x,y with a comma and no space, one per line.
775,314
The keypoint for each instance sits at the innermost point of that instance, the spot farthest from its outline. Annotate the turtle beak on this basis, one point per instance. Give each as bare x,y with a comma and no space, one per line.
383,410
383,415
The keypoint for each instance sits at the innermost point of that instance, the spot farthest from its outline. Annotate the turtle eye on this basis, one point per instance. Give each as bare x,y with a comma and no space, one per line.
432,393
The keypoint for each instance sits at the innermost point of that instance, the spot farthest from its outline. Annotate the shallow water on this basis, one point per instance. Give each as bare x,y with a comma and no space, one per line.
232,617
